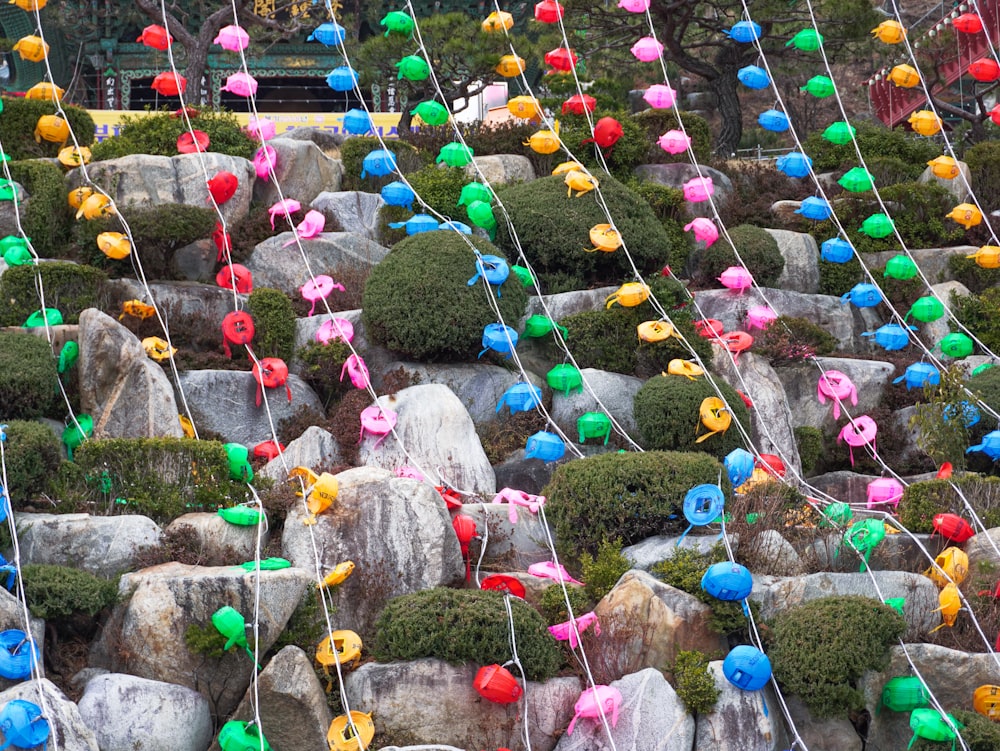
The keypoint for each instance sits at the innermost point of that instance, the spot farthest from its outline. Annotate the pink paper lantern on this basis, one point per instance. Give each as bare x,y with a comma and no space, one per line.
737,279
241,84
647,49
261,129
232,38
859,432
311,226
674,141
760,317
355,367
704,230
634,6
885,491
284,207
567,632
377,420
265,160
335,328
318,289
550,570
660,97
837,387
594,702
698,189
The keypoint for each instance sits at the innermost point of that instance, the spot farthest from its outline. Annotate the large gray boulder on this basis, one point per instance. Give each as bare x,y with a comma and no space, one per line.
651,718
397,531
870,377
801,254
776,594
302,170
128,713
214,541
500,169
740,720
609,393
932,262
564,304
315,449
291,701
199,305
514,545
438,436
63,716
145,635
102,545
275,264
826,734
224,402
353,211
398,695
126,393
645,623
156,180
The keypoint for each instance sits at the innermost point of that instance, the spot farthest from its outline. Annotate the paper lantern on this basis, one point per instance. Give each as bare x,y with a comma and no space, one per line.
565,378
904,693
877,226
413,68
498,22
819,86
169,84
807,40
944,167
885,491
794,164
545,446
744,32
746,667
548,11
629,295
114,245
704,230
890,32
342,78
417,224
540,325
594,425
901,267
659,96
235,276
990,445
986,701
454,154
31,48
521,397
51,128
44,91
966,214
191,142
986,70
397,22
919,375
837,387
840,132
634,6
561,59
524,107
836,250
739,464
968,23
510,66
579,104
329,34
773,120
698,189
647,49
956,345
925,122
232,38
398,194
860,431
890,337
904,76
240,84
736,278
605,238
753,77
837,514
815,208
856,180
342,735
953,527
596,702
965,411
544,142
987,257
261,129
926,309
156,37
357,122
760,317
727,581
378,163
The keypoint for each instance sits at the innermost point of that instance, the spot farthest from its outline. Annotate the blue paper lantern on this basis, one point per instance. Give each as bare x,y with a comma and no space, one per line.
454,226
773,120
727,581
744,32
814,208
739,464
703,504
343,78
494,268
398,193
23,724
747,667
794,164
498,338
863,296
753,77
521,397
17,654
965,411
545,446
990,445
357,122
890,337
379,163
918,375
417,223
836,250
329,34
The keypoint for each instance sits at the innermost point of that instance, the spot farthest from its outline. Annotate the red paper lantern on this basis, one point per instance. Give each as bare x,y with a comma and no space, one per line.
465,530
503,583
561,59
268,450
995,115
968,23
772,464
985,70
238,276
709,328
189,142
548,11
495,683
237,328
156,37
953,527
169,84
452,498
580,103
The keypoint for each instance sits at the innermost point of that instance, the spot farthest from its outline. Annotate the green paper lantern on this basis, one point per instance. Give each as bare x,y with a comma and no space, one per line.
240,736
837,514
431,112
957,345
840,132
474,192
49,316
68,356
397,21
239,462
539,325
18,257
594,425
807,40
524,275
413,68
904,693
856,180
900,267
877,226
897,604
982,368
454,154
926,309
77,432
565,378
819,86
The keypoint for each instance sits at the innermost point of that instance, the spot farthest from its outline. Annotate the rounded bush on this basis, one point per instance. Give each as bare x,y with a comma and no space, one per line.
461,626
440,187
17,127
274,323
981,315
417,301
812,658
626,497
32,453
874,140
554,231
156,133
757,248
667,413
69,287
922,501
657,122
47,218
695,682
668,205
28,379
59,592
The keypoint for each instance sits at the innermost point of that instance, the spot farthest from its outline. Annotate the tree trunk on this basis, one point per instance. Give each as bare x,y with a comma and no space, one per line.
725,89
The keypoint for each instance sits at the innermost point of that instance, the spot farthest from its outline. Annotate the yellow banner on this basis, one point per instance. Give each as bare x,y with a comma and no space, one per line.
107,123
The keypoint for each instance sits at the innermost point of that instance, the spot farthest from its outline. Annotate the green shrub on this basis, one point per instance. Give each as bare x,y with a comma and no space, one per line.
669,207
553,230
756,186
790,339
981,315
656,122
602,572
32,454
17,127
157,231
695,684
552,603
461,626
417,300
628,496
29,384
922,501
626,154
809,441
274,323
70,287
889,170
356,148
158,477
838,278
47,217
322,365
666,412
874,140
971,274
757,249
59,592
984,167
156,133
820,649
684,571
440,187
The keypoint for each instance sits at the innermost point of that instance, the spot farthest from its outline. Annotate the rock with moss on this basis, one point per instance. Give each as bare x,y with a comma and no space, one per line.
101,545
738,720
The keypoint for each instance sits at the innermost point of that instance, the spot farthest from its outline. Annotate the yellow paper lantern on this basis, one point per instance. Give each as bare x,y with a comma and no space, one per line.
71,156
45,91
524,107
605,238
564,167
29,6
32,48
114,245
544,141
966,214
987,257
51,128
890,32
498,21
78,195
943,167
95,206
904,76
510,66
157,348
925,122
